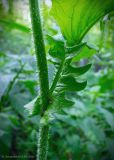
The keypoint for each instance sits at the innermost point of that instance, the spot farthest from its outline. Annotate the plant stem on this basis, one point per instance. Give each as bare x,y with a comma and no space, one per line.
43,76
13,81
9,88
40,52
57,76
62,68
43,142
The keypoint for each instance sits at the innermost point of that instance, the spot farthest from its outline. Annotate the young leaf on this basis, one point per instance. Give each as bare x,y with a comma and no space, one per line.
56,48
68,83
86,52
76,17
75,49
60,101
78,71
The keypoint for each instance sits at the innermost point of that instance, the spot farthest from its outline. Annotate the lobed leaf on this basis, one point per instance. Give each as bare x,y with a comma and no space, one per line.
79,70
86,52
68,83
59,101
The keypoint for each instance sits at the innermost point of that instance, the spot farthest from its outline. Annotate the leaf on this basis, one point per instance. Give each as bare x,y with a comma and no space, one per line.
86,52
74,142
68,83
92,130
59,101
62,101
76,17
33,107
110,147
6,124
14,25
108,116
75,49
78,71
106,82
4,82
56,48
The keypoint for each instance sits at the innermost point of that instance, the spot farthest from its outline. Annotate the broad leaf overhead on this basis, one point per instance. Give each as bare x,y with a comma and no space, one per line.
76,17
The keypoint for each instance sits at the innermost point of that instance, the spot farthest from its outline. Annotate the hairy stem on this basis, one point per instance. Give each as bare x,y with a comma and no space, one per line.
43,76
40,52
43,142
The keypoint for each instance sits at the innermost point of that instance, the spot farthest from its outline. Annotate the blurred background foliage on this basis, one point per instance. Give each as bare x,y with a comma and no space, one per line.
84,131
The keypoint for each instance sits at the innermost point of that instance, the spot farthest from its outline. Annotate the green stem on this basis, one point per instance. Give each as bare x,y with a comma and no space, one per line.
61,70
57,76
43,142
43,76
40,52
13,81
9,88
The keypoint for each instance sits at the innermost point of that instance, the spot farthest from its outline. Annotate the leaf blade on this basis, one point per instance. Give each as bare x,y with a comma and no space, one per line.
68,15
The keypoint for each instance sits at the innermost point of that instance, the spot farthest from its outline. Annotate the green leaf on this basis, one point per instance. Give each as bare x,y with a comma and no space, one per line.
68,83
56,48
59,101
76,17
78,71
14,25
75,49
33,107
92,130
108,116
86,52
